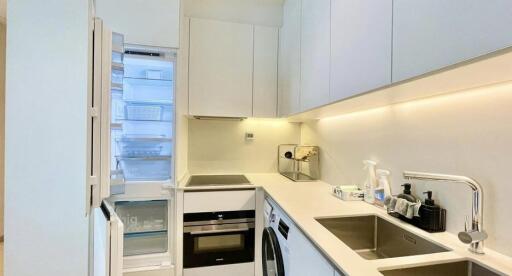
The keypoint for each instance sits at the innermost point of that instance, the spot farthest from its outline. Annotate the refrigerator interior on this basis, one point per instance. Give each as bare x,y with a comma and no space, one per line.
142,118
142,151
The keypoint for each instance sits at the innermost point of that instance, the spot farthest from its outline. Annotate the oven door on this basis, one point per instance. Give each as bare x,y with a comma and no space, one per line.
218,244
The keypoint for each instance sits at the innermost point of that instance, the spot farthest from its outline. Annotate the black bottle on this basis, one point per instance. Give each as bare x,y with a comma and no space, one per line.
432,217
407,193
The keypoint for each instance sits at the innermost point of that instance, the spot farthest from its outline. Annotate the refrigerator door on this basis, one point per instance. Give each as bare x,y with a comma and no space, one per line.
107,76
107,242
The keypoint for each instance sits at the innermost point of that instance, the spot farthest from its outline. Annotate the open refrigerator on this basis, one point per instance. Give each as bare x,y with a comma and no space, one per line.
131,162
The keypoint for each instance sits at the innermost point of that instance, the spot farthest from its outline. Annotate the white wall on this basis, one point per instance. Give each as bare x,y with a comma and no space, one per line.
259,12
220,147
468,133
46,230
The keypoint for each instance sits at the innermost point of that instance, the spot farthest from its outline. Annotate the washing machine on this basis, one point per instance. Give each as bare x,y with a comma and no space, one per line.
275,250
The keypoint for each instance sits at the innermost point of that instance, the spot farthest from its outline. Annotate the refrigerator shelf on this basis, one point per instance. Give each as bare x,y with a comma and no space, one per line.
145,158
155,102
145,244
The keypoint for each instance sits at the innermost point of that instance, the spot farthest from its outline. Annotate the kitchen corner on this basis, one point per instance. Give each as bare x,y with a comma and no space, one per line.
305,202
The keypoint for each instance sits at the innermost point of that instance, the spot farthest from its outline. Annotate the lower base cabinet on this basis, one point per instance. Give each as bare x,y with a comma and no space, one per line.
306,260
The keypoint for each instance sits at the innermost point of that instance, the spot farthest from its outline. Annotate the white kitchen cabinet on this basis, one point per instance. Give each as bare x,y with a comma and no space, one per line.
360,46
431,34
220,68
289,59
315,53
150,22
305,259
265,71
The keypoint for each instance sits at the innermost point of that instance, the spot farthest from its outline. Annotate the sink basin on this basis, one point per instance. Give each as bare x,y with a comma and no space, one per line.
375,238
462,268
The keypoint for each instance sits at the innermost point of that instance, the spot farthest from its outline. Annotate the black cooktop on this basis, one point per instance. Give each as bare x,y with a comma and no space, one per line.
218,180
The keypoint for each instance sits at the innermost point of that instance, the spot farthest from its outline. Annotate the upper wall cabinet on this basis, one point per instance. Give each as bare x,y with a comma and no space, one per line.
232,69
265,72
432,34
315,53
220,68
360,46
289,59
151,23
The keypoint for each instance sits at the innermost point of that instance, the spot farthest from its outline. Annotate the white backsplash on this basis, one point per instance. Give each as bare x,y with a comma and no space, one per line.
468,133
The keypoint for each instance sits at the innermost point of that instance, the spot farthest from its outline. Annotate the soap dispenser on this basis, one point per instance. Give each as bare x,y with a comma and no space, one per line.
407,195
432,217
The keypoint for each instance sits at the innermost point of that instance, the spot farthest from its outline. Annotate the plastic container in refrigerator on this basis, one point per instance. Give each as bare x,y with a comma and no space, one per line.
148,91
141,147
148,112
146,168
148,67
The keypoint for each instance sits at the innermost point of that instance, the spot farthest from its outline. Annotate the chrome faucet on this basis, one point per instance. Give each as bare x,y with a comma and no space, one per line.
475,235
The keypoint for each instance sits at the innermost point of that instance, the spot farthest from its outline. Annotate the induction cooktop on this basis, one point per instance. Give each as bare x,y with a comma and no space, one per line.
218,180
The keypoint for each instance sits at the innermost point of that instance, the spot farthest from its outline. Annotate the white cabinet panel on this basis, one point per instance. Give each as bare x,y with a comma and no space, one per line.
305,260
360,46
315,53
289,59
220,68
198,202
431,34
150,22
265,71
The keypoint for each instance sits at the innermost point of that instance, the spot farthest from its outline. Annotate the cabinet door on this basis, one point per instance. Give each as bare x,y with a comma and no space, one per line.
431,34
107,242
315,53
220,68
265,72
151,23
360,46
289,59
305,259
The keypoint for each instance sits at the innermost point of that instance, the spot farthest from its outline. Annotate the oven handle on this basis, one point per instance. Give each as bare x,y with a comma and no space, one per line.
213,229
218,231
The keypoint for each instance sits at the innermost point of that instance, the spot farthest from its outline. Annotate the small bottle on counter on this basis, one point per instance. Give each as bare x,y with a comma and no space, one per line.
432,216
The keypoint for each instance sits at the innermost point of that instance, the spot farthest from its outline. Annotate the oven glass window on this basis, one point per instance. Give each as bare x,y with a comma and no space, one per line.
233,242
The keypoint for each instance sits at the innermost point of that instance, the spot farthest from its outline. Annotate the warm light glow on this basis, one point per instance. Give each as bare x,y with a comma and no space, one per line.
461,97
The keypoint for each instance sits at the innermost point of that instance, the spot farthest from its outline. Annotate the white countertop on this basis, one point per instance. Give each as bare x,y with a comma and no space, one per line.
305,201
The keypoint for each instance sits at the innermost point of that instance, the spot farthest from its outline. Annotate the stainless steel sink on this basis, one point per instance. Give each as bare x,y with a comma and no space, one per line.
375,238
462,268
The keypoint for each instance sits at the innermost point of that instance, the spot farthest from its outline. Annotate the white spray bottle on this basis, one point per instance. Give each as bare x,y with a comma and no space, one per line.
371,181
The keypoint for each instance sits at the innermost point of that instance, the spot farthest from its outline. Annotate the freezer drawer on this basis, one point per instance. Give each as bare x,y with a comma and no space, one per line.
145,226
145,243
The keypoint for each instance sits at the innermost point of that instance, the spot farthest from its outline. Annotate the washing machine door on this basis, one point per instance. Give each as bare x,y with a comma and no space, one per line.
271,254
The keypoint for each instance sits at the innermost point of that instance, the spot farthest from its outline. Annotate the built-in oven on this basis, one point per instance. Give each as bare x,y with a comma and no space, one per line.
218,238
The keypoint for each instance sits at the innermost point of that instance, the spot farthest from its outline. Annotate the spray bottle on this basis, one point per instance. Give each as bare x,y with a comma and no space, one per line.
371,181
383,189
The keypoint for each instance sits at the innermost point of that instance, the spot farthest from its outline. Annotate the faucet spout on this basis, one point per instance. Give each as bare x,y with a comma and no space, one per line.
475,235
